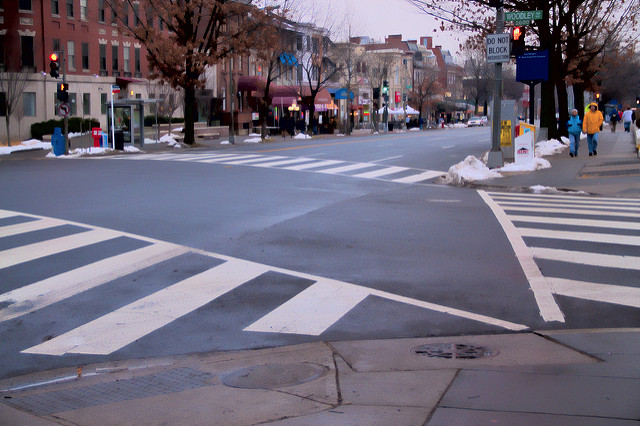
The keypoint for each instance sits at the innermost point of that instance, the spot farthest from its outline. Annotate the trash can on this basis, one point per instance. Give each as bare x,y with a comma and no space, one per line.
390,126
104,140
119,140
58,142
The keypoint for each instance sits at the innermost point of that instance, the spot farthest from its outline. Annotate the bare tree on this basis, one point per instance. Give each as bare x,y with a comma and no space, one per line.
478,76
13,85
377,71
426,89
183,37
168,99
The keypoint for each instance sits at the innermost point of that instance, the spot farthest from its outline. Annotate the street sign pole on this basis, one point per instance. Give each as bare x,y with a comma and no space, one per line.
495,155
65,120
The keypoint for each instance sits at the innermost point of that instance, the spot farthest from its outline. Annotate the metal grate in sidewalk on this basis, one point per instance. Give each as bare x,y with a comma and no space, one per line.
163,383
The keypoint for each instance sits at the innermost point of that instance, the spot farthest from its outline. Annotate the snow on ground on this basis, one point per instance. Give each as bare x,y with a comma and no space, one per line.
469,170
551,147
25,146
460,125
93,151
530,166
302,136
253,140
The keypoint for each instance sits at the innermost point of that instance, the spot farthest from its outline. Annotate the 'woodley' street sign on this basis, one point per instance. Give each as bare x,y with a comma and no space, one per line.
531,15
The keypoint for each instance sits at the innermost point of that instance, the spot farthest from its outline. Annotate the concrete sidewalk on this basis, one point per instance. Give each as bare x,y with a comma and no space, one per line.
589,377
614,172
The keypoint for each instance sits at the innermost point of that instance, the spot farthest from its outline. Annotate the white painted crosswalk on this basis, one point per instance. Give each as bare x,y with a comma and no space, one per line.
403,175
312,311
552,224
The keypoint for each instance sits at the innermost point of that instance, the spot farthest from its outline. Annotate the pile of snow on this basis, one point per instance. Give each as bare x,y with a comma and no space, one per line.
25,146
529,166
469,170
94,151
225,143
414,129
302,136
253,140
551,147
459,125
253,135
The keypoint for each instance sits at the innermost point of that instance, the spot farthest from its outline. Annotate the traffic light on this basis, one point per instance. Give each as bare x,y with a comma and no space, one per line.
63,92
385,87
598,96
53,65
638,100
517,41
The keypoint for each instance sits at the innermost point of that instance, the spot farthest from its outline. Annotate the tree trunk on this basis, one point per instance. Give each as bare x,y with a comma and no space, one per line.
189,114
7,118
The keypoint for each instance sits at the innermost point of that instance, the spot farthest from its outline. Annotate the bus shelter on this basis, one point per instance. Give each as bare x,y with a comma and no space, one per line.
128,122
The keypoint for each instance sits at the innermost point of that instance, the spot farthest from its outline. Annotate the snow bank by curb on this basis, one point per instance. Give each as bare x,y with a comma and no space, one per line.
469,170
25,146
302,136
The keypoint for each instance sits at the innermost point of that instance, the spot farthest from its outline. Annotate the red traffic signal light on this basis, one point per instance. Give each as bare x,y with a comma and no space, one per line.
517,41
63,92
53,66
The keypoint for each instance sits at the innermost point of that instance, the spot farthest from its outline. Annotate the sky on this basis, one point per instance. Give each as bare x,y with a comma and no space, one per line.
379,18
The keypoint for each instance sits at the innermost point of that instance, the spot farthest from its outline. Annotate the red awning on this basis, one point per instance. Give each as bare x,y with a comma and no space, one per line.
250,83
284,101
289,91
123,81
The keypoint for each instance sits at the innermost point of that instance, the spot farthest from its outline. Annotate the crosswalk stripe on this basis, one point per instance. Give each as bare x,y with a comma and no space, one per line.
620,295
283,162
34,251
313,310
594,237
574,212
243,159
313,165
318,307
567,198
419,177
123,326
542,291
382,172
348,168
576,222
194,157
594,206
587,258
231,159
34,225
6,213
59,287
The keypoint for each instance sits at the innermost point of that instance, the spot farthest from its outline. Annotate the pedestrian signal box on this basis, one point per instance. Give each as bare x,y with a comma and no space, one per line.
517,42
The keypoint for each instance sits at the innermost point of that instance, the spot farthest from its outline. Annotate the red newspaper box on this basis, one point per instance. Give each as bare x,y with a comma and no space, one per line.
95,132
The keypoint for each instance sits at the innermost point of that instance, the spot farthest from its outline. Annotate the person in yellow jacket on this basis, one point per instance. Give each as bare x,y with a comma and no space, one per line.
591,126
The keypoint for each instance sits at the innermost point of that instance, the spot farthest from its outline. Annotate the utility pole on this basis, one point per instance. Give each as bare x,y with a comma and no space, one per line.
67,143
231,96
496,158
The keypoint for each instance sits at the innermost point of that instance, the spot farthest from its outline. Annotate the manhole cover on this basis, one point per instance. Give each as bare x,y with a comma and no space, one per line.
453,351
273,375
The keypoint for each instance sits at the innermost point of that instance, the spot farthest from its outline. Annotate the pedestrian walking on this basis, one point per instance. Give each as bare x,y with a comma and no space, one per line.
627,118
574,126
614,120
592,125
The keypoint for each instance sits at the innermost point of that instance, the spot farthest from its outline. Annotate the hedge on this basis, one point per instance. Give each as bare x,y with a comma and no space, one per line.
150,120
47,127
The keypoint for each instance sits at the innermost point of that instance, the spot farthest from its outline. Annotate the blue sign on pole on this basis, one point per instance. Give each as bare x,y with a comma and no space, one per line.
533,66
342,94
288,59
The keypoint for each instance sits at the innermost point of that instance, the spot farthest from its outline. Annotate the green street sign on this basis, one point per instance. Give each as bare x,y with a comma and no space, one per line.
520,23
531,15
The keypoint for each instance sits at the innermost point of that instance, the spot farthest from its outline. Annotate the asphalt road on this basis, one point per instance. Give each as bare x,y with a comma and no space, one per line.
274,244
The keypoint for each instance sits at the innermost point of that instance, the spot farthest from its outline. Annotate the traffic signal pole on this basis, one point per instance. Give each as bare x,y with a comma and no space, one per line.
496,158
66,117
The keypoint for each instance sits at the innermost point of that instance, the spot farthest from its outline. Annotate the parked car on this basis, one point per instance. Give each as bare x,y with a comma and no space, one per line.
474,121
485,120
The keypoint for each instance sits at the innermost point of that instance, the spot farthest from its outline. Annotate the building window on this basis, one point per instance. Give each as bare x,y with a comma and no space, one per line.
114,58
86,103
125,53
137,61
70,9
102,48
27,51
85,56
299,73
1,52
55,7
71,55
136,14
299,43
29,104
83,10
24,5
103,103
101,14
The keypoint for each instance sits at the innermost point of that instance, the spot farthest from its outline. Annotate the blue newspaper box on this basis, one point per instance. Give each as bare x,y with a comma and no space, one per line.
58,142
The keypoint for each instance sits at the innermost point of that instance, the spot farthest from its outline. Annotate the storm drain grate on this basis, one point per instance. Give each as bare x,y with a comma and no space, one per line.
164,383
453,351
271,376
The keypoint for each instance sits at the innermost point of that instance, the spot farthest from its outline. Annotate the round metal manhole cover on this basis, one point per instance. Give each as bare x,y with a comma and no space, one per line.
270,376
454,351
